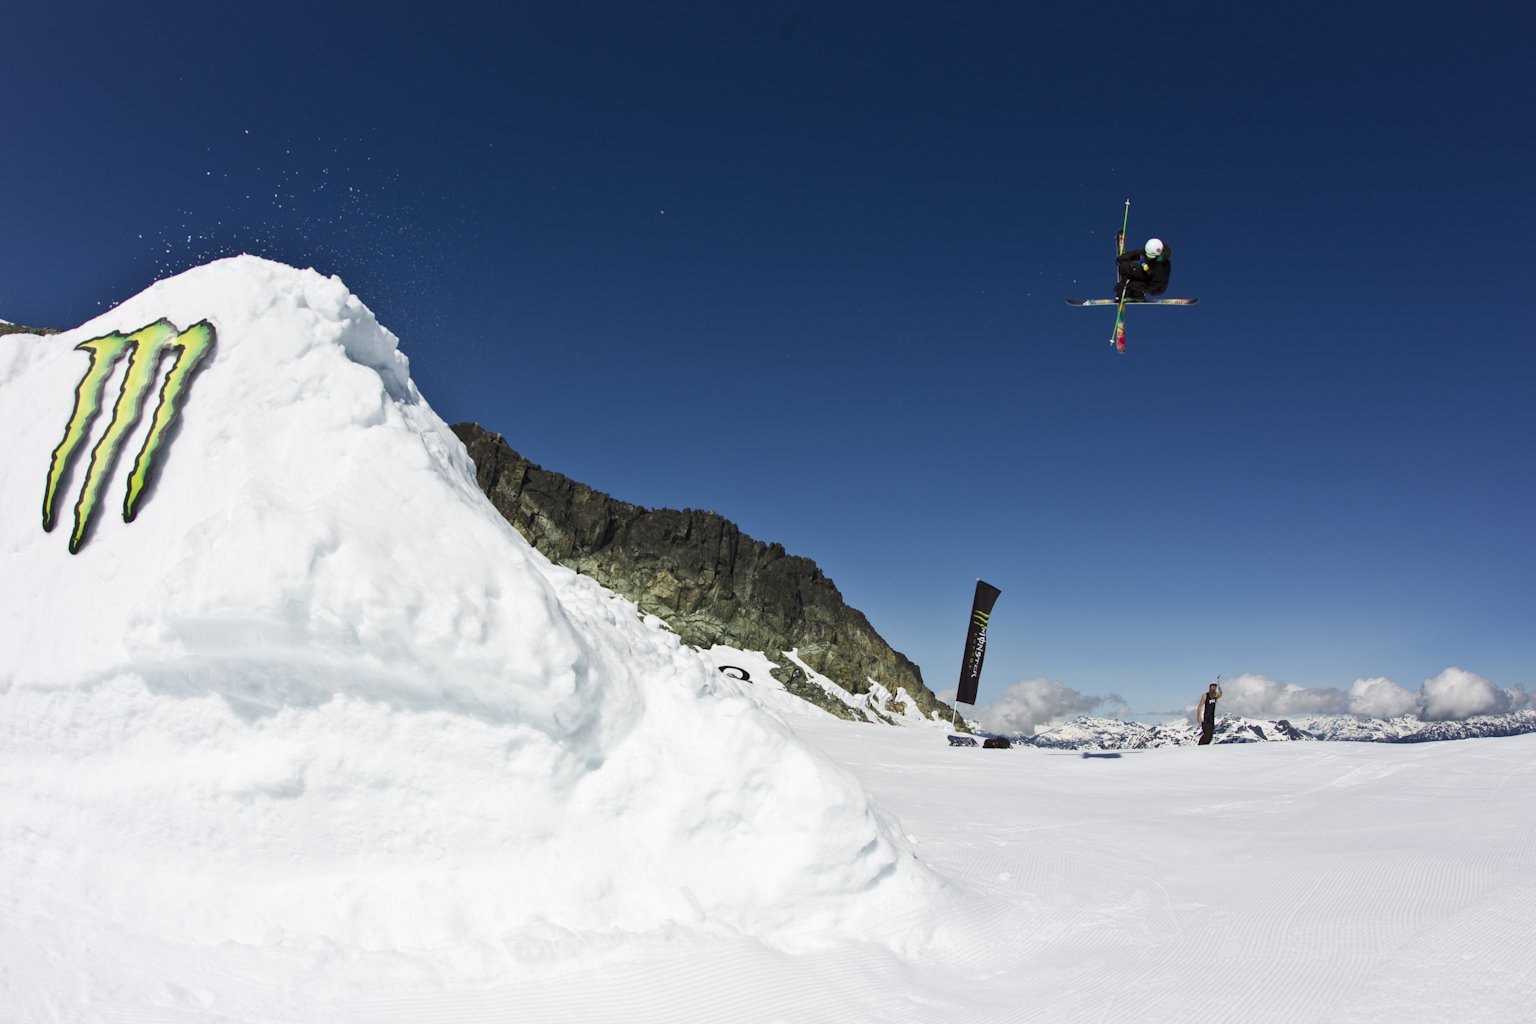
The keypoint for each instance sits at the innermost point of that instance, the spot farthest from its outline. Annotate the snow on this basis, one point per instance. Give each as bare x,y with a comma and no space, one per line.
319,737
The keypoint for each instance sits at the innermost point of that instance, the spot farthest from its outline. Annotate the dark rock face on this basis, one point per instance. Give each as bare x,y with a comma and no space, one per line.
1290,732
700,574
6,328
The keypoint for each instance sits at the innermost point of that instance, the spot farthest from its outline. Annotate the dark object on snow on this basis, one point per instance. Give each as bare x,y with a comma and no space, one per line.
962,741
997,743
736,673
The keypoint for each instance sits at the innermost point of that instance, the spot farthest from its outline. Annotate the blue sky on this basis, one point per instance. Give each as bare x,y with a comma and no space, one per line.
804,264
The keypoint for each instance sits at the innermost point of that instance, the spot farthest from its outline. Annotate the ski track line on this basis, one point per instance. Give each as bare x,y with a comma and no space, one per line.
1359,911
1336,933
1340,930
1453,972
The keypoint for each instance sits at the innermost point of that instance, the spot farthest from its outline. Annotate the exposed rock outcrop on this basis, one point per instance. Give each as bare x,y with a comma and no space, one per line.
9,328
700,574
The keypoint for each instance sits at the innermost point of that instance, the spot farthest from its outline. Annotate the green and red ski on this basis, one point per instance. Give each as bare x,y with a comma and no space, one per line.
1118,338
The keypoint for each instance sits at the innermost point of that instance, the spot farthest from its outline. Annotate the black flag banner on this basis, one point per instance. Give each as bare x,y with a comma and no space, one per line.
976,642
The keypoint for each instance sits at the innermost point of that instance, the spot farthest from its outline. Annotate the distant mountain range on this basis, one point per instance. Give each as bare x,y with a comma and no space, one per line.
1111,734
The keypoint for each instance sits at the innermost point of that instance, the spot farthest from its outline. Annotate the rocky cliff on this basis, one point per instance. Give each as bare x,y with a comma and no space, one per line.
706,579
10,328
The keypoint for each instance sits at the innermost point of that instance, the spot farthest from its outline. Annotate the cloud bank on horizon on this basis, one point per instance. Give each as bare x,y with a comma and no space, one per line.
1453,695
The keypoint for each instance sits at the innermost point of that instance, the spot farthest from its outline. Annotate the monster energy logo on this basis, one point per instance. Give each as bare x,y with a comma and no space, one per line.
145,349
979,621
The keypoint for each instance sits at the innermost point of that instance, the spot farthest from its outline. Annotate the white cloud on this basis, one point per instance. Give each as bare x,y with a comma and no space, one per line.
1032,702
1452,695
1380,697
1456,694
1258,697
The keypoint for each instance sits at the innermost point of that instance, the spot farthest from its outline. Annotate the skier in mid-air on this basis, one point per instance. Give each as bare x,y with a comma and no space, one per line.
1143,272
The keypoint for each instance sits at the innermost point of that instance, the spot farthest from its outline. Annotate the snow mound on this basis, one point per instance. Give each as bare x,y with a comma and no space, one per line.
319,695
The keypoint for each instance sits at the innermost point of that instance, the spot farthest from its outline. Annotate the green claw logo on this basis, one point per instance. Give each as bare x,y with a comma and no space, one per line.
145,349
979,620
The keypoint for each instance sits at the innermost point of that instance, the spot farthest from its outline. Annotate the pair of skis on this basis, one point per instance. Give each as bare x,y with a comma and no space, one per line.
1133,302
1117,338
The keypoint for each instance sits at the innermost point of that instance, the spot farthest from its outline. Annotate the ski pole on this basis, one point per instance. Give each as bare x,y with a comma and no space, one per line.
1117,336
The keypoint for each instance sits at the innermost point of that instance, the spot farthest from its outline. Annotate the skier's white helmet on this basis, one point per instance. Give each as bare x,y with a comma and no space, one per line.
1154,247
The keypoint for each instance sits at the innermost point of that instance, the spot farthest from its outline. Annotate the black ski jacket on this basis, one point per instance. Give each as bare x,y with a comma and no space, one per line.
1147,276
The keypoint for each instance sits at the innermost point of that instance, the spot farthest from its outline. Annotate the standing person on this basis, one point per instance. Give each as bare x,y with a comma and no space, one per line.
1205,712
1144,271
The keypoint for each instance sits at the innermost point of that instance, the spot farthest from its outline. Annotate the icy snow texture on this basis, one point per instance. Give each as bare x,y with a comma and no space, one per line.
320,692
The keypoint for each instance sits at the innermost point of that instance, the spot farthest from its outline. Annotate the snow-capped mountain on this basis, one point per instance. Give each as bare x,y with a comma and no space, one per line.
1087,733
1408,729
